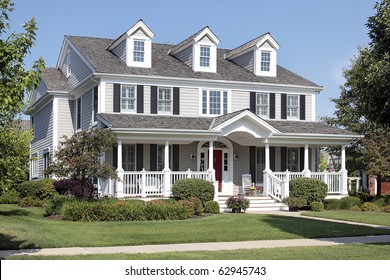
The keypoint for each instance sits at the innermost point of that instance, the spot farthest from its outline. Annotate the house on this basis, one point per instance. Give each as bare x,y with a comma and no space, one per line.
185,110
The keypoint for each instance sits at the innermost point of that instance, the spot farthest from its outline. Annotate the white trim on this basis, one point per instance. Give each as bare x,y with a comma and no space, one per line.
102,95
55,123
313,108
298,107
135,100
171,104
77,114
207,114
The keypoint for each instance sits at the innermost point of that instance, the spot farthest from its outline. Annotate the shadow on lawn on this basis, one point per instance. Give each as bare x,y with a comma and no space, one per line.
15,212
7,242
310,228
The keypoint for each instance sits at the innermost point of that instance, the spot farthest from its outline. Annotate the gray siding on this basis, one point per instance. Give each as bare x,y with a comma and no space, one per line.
109,104
41,90
189,102
86,110
79,70
66,117
246,61
43,134
239,100
240,166
185,56
309,107
185,161
120,50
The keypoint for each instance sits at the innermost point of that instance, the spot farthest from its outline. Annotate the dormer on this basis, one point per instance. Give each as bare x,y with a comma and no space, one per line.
258,55
199,51
134,47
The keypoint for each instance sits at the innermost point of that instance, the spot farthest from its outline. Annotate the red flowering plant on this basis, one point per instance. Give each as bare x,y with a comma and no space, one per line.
237,203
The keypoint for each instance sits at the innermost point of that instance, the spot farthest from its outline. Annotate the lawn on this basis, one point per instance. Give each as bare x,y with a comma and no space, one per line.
27,228
339,252
367,217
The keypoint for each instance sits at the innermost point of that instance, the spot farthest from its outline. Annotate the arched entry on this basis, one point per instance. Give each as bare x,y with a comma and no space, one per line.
222,162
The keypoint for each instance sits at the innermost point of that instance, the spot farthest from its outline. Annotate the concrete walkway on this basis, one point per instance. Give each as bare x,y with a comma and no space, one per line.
216,246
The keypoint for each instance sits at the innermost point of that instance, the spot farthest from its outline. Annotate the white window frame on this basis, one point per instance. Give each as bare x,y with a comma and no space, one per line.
34,165
224,100
131,99
263,105
162,101
138,51
204,56
129,157
290,107
79,111
265,64
46,162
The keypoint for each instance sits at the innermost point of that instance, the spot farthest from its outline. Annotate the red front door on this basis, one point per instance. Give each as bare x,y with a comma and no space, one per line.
218,168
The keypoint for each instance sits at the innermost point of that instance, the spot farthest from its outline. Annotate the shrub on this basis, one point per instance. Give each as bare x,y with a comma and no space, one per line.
347,202
317,206
385,209
295,202
355,208
74,187
161,210
369,206
189,204
190,188
31,202
10,197
41,189
310,189
131,210
332,204
237,203
212,207
379,202
53,206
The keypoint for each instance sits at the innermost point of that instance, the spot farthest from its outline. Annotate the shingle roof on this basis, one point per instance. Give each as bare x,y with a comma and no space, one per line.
307,128
165,65
186,41
156,122
55,80
245,46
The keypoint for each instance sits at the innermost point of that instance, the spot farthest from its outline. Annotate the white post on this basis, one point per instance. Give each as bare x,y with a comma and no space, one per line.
344,172
211,160
306,169
167,171
265,182
120,172
143,183
189,173
267,158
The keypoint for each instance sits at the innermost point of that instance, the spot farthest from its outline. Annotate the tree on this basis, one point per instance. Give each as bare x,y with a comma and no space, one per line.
78,156
15,82
364,103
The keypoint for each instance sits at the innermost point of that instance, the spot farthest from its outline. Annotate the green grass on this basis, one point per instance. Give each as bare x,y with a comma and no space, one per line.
367,217
22,228
339,252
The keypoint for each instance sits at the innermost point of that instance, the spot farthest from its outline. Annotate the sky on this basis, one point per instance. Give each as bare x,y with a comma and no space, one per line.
317,38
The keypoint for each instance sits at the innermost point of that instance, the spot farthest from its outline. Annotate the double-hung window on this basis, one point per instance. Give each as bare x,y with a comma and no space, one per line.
95,103
139,51
262,104
293,159
78,112
128,98
292,106
204,56
214,102
265,61
164,100
46,160
34,165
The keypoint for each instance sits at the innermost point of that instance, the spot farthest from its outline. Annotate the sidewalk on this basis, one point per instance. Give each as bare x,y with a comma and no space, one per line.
216,246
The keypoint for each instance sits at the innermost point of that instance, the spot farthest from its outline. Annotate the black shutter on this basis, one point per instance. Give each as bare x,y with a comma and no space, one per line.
117,98
115,156
301,158
272,105
252,162
284,106
140,99
272,158
252,102
153,100
140,156
153,157
176,101
175,157
283,158
302,107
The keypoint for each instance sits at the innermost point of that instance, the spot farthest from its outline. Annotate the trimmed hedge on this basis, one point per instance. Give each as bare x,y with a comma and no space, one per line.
118,210
212,207
191,188
310,189
41,189
347,202
332,204
317,206
369,206
31,202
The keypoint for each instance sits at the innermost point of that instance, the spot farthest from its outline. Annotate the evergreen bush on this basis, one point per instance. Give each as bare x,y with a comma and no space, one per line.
332,204
310,189
41,189
317,206
31,202
212,207
190,188
369,206
347,202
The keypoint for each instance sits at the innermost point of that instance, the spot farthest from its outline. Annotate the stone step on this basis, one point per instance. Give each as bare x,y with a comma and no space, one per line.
257,203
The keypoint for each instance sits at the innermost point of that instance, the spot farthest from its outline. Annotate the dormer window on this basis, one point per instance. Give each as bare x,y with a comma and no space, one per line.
139,51
204,56
265,61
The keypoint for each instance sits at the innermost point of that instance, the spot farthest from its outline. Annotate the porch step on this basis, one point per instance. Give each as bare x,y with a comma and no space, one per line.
257,203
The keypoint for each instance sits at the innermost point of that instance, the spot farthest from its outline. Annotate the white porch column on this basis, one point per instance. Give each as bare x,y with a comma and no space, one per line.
267,158
211,160
306,169
344,172
120,172
167,171
266,170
